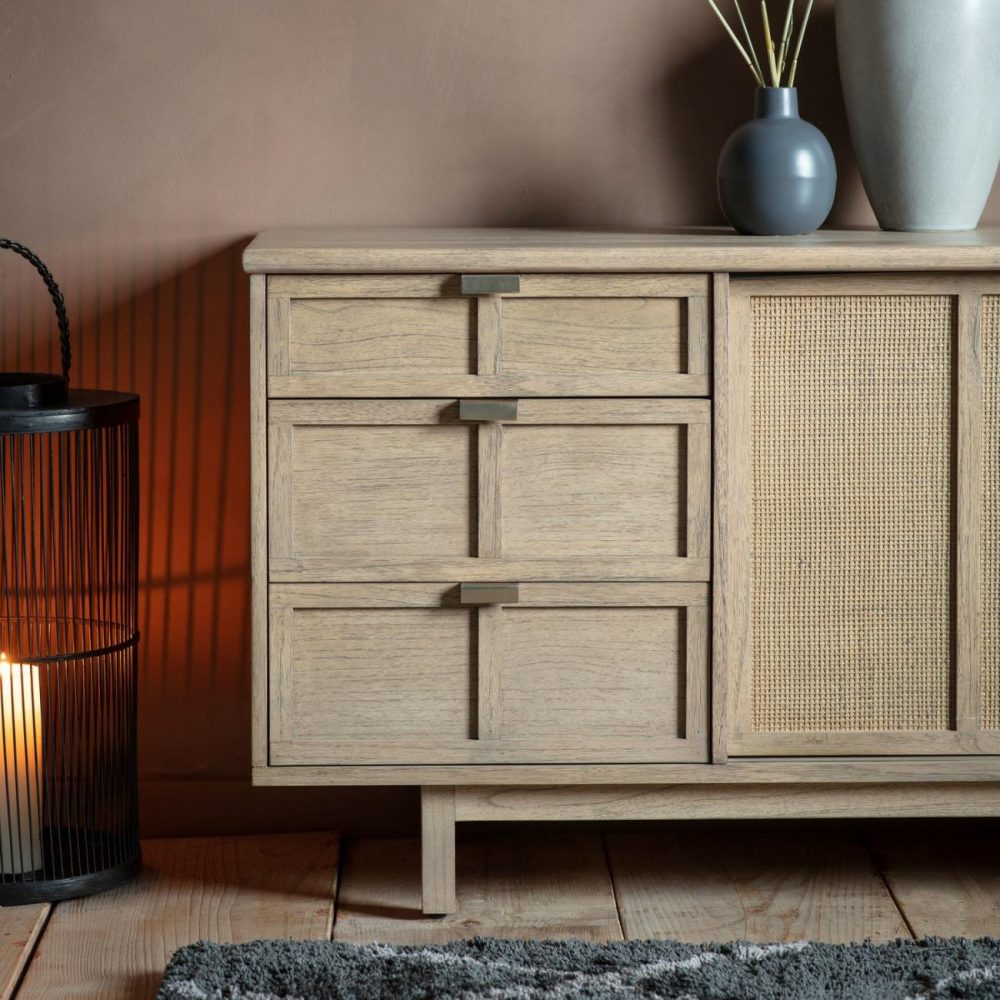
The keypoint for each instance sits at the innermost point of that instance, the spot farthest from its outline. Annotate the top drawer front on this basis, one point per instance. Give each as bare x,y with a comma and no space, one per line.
413,335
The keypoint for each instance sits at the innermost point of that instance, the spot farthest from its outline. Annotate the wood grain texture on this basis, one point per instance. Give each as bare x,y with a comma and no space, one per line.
21,928
946,879
343,676
381,492
593,674
724,801
543,885
305,250
372,488
323,385
391,335
437,850
968,514
919,772
387,674
258,516
593,491
762,885
731,648
319,569
595,336
115,946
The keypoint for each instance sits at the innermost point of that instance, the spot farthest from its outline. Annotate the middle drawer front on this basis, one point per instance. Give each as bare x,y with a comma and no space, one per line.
398,490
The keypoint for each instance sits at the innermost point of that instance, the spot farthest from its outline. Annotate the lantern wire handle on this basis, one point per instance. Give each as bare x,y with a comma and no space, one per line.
32,258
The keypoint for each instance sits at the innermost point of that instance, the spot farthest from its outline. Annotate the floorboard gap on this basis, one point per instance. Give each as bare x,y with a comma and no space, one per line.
29,950
888,885
614,886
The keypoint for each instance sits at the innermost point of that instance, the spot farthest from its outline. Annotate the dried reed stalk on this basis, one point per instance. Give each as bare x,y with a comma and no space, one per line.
777,56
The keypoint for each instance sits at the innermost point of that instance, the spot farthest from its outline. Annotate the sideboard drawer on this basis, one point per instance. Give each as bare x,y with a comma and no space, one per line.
406,335
565,489
408,674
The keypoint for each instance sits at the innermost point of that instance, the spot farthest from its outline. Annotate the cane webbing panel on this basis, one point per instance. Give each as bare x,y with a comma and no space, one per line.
852,423
991,513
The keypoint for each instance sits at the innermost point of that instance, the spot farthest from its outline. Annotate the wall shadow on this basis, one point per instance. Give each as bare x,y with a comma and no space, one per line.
179,337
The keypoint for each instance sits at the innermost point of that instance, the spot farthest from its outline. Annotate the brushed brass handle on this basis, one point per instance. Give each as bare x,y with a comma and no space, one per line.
487,409
490,284
489,593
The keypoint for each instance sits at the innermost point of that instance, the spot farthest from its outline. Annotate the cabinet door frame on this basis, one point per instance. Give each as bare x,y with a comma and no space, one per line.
732,558
490,564
486,745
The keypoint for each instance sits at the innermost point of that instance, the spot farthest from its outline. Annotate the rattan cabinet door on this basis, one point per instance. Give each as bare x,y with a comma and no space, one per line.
850,496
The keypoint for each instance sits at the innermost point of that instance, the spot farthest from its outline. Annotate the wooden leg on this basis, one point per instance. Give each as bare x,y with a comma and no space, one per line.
437,808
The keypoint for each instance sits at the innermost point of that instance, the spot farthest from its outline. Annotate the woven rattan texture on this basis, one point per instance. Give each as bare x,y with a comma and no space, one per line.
852,426
991,513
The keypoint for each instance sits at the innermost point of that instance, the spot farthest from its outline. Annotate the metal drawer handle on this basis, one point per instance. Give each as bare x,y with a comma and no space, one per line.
487,409
490,284
489,593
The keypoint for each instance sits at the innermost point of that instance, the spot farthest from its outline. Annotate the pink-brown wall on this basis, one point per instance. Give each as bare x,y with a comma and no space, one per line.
143,142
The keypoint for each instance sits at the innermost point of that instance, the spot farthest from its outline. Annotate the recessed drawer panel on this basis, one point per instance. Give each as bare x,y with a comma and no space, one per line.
407,335
408,674
552,489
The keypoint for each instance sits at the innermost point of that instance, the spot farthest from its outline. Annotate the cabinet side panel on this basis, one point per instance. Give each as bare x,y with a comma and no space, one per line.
991,514
258,514
852,466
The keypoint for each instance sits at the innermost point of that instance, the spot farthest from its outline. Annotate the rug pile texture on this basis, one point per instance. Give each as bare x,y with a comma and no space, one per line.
493,969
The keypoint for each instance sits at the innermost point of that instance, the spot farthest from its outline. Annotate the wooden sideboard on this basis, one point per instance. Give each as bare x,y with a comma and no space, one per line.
593,525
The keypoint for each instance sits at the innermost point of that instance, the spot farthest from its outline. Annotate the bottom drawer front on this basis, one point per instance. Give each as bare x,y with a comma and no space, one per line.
407,674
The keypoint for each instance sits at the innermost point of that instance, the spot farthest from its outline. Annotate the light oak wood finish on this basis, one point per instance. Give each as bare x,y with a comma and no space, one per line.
833,493
763,885
387,674
21,928
945,879
403,336
258,516
731,801
373,487
540,885
780,882
914,771
318,250
437,846
116,945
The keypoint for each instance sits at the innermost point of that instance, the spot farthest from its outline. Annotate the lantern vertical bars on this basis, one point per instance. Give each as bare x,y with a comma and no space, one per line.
68,629
68,575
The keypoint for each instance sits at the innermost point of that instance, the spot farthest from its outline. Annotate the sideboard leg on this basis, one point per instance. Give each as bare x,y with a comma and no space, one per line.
437,809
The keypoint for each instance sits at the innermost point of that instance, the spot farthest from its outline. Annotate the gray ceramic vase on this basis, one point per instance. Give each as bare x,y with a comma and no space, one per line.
777,175
921,83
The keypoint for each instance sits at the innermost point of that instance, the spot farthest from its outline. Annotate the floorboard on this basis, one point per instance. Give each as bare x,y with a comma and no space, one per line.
543,884
20,928
945,877
115,946
764,883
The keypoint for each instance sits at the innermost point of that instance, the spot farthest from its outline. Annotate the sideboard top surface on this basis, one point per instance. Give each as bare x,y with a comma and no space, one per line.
326,250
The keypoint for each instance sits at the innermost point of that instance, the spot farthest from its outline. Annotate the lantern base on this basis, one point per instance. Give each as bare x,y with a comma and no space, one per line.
47,890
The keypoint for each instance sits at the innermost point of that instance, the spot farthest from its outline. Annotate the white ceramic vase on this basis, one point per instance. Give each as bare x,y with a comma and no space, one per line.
921,83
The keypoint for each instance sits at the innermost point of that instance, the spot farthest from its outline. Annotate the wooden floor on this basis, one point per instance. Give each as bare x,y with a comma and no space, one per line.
763,882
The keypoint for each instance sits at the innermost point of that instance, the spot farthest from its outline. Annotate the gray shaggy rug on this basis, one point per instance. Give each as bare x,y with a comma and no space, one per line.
522,970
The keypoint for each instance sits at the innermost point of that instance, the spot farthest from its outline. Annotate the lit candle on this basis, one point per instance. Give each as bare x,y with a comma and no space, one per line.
20,774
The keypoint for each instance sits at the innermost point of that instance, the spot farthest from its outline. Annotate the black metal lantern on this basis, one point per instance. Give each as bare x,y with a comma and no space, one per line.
68,631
